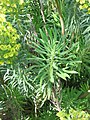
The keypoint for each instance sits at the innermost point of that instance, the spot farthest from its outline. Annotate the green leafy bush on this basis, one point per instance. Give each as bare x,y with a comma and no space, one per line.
71,95
11,102
77,99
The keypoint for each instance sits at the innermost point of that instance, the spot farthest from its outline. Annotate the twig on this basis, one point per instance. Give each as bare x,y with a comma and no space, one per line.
61,18
43,17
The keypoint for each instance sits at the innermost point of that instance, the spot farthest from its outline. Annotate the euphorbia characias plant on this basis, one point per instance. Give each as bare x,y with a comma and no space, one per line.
8,39
10,5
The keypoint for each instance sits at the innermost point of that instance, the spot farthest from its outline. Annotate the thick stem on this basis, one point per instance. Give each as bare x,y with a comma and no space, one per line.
57,104
35,107
61,18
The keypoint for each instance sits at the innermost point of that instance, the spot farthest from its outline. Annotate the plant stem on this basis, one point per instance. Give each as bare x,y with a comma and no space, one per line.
61,18
43,17
56,100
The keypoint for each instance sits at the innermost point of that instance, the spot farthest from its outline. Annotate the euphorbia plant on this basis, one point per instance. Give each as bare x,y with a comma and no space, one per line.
51,62
8,41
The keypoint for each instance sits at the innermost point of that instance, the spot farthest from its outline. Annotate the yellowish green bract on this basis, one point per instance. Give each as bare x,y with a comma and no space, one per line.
8,41
84,4
73,115
10,5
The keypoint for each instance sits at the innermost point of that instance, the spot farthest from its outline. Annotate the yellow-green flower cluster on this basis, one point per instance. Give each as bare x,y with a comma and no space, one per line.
8,41
9,5
73,115
84,4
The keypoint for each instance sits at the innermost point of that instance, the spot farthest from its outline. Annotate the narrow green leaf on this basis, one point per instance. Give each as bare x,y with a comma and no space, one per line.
71,72
63,75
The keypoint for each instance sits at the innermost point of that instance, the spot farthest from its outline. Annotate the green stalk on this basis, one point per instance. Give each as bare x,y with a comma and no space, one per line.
51,64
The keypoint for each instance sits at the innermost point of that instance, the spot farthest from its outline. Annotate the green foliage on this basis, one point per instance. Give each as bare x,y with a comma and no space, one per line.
52,59
77,29
20,83
84,38
10,103
49,115
73,115
71,95
32,9
85,88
